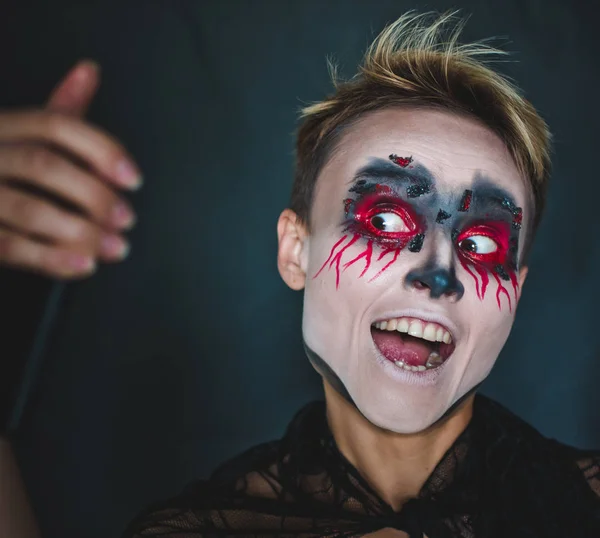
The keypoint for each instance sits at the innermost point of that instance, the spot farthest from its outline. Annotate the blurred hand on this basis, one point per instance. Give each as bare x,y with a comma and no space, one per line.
60,208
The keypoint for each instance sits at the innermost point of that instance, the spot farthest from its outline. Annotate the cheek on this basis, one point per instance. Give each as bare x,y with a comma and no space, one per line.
364,257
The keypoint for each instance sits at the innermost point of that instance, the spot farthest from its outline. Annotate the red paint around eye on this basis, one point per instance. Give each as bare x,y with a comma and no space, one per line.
370,206
360,215
484,264
499,232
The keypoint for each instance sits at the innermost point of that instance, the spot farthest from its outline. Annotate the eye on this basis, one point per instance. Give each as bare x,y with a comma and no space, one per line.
390,222
478,244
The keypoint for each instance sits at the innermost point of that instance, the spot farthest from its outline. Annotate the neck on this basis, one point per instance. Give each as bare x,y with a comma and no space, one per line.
395,465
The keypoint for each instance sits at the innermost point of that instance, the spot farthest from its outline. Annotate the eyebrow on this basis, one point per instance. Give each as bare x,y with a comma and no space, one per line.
496,196
383,169
483,188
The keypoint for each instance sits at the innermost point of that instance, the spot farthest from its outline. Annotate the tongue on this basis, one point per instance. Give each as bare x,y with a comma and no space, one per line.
395,346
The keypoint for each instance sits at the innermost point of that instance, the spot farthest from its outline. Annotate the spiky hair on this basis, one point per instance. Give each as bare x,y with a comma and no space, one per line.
419,61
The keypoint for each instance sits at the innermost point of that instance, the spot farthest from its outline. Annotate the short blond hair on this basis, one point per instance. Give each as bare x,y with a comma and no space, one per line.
418,61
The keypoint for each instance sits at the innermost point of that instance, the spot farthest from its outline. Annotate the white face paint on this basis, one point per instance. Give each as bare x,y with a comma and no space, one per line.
407,253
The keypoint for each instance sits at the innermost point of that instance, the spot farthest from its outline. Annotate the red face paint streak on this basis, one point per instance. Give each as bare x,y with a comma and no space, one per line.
515,284
468,270
396,252
485,279
330,255
338,258
366,254
499,290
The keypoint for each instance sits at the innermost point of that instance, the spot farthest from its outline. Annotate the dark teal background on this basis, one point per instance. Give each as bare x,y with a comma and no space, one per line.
155,370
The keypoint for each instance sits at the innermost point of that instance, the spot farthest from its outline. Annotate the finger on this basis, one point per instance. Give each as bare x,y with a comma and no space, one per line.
21,252
98,149
74,93
29,215
62,178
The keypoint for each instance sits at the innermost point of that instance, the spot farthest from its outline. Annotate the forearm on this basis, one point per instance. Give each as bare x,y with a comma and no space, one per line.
16,515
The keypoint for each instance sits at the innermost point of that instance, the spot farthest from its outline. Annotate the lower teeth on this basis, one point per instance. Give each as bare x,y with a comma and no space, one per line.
409,367
433,361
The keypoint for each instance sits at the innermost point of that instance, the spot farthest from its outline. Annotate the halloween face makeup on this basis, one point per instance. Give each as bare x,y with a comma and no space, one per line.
412,263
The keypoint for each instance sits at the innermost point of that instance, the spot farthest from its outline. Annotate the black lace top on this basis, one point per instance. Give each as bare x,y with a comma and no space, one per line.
501,478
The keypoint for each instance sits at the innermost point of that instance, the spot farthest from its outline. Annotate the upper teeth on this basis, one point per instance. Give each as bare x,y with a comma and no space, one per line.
417,328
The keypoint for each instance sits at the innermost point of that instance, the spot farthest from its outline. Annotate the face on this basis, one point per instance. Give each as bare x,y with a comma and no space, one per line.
411,268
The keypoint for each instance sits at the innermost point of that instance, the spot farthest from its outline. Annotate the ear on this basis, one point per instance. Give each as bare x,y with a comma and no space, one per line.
521,278
292,235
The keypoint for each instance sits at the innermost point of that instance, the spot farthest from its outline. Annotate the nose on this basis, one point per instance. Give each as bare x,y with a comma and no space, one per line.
440,281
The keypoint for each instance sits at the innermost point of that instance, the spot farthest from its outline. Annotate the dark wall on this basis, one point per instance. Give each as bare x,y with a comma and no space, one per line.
157,369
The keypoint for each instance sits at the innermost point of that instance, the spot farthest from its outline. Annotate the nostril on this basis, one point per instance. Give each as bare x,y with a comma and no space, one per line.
438,281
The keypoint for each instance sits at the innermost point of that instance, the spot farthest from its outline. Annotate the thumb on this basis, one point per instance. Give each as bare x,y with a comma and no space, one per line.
74,93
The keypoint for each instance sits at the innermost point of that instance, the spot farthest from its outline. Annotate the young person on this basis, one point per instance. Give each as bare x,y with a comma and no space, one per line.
419,186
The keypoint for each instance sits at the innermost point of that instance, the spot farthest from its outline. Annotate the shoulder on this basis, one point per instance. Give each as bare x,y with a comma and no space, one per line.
234,494
198,507
543,456
587,463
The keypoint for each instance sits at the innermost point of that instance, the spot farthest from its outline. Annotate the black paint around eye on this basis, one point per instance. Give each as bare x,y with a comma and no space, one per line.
417,243
501,272
414,191
362,187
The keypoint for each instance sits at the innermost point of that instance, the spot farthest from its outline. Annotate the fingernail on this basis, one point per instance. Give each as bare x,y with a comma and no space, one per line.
129,175
82,263
114,247
84,70
122,216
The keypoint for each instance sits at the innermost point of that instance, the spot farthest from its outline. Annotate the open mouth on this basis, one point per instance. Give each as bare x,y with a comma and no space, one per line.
413,344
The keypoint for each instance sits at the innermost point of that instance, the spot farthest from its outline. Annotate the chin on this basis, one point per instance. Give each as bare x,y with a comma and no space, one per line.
399,414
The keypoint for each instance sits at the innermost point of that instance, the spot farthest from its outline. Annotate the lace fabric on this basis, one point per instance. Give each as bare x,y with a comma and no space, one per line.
500,478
